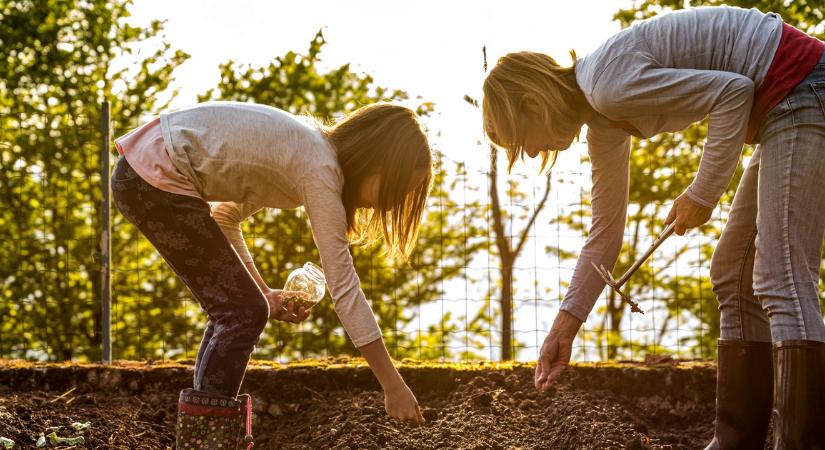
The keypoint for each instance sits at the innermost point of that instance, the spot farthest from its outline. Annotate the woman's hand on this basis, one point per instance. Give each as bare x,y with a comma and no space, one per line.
687,214
556,350
400,403
291,313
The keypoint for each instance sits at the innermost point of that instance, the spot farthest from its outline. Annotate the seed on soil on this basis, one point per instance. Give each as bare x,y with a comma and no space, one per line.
274,410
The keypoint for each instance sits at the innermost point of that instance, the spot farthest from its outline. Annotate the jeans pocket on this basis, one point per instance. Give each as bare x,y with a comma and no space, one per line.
781,109
819,90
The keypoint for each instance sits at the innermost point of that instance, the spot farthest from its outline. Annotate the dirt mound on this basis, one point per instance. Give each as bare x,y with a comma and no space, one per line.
486,407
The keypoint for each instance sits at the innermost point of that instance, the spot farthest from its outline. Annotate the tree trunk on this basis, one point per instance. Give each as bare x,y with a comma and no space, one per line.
506,310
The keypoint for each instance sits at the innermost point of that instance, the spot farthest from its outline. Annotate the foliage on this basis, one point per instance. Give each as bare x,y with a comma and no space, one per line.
56,66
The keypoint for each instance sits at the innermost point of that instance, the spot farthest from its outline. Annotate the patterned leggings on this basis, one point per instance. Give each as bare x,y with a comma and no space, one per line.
182,230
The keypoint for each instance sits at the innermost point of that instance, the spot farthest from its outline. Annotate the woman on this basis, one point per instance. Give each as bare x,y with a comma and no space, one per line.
759,81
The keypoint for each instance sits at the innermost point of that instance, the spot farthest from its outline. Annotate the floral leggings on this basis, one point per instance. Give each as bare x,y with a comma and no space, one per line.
182,230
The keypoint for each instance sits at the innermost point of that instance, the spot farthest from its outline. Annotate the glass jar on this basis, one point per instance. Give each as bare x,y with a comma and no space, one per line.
310,282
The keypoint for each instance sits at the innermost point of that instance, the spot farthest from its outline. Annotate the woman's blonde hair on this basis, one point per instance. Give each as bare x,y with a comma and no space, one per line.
386,140
528,77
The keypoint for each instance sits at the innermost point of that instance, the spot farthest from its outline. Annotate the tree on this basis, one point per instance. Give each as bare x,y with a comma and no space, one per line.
281,240
56,66
508,246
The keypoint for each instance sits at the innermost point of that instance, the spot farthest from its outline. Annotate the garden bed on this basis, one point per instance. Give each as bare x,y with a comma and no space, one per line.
337,404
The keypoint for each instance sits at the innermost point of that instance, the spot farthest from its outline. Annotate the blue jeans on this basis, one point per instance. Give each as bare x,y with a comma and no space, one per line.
765,268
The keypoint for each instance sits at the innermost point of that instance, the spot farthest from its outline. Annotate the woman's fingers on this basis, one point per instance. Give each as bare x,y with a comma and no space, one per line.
555,372
671,216
541,373
687,214
547,357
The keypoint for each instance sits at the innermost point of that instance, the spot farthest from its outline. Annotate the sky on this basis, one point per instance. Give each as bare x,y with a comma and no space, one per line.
432,50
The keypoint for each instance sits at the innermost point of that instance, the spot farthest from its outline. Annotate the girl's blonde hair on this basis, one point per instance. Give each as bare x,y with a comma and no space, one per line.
528,77
386,140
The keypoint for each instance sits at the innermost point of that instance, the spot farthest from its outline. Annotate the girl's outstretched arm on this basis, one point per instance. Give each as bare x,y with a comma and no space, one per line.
399,400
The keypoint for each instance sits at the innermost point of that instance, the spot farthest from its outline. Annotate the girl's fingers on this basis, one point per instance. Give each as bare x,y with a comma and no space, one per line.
292,316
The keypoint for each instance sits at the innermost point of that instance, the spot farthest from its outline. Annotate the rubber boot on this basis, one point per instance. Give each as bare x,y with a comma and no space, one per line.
208,421
799,397
744,385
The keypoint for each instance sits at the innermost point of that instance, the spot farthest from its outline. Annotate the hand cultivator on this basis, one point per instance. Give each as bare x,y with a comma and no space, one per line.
616,285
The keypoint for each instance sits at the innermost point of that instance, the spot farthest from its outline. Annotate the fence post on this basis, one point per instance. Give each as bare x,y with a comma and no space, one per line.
106,235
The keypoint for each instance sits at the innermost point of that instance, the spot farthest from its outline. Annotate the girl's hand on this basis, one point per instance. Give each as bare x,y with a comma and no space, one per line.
400,403
291,313
687,214
556,350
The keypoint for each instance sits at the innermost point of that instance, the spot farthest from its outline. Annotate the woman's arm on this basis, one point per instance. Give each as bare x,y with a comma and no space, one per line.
635,87
609,151
609,158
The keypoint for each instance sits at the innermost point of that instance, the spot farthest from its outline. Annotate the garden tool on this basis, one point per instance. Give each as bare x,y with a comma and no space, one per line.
616,285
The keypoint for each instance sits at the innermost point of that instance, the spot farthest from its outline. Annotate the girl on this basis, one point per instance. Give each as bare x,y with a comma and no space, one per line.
759,80
368,174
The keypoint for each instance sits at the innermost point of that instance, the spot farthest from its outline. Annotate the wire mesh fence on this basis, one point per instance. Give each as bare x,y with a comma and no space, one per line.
444,304
49,220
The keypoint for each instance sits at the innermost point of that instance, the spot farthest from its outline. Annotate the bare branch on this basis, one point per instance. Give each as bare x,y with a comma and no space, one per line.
525,232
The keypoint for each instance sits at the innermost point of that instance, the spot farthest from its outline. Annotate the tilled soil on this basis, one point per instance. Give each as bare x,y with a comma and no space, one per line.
340,406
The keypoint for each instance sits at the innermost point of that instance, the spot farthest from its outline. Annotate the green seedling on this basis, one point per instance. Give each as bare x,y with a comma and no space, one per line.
6,442
82,426
54,439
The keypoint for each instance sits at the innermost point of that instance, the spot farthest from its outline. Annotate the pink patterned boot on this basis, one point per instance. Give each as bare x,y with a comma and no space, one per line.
209,421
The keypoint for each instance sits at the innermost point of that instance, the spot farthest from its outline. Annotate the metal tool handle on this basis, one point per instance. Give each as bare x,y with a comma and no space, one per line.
659,239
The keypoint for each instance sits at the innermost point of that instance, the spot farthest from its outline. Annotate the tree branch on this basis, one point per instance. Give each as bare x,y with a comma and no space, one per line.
539,207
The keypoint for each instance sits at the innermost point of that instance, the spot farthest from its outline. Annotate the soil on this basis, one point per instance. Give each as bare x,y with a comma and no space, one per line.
338,405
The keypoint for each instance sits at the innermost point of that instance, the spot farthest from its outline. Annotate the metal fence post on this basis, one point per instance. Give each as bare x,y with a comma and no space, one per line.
106,235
